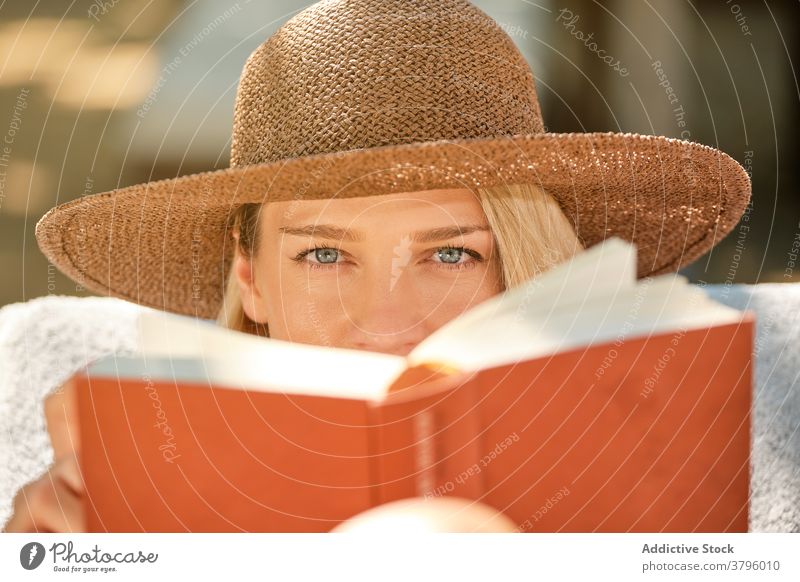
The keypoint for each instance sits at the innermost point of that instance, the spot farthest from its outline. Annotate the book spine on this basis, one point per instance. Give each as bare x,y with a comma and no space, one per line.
428,446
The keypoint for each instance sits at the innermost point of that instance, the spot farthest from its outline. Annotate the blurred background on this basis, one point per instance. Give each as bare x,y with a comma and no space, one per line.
98,94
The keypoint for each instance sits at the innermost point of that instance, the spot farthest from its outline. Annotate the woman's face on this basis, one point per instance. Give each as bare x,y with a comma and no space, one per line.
378,273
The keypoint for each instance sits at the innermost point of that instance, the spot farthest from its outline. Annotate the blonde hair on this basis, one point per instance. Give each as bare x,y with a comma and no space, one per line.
531,233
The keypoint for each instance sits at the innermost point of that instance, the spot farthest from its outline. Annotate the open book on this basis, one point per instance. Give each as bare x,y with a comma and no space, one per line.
582,400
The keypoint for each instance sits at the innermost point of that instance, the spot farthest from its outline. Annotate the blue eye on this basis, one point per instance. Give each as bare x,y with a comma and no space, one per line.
325,257
450,254
450,258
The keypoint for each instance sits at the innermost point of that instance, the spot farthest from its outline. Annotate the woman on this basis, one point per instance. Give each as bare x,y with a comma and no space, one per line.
389,169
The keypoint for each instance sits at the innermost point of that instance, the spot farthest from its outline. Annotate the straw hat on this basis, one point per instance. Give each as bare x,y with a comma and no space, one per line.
365,97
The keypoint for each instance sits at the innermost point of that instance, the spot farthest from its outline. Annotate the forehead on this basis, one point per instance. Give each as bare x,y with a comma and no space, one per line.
443,205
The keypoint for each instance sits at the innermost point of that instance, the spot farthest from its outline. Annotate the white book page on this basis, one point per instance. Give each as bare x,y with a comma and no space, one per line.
243,360
654,305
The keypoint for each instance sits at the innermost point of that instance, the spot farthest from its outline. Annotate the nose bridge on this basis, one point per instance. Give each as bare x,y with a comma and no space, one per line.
385,311
386,294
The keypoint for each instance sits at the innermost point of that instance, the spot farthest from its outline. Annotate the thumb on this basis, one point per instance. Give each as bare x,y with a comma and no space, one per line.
61,416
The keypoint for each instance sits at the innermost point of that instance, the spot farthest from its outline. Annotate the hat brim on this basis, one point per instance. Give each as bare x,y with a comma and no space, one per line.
163,244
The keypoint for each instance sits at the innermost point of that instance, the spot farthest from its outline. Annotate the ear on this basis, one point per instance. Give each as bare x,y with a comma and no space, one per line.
252,301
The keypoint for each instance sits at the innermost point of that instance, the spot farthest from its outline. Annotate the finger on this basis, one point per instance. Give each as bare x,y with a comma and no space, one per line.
60,409
24,517
68,469
53,506
48,505
69,516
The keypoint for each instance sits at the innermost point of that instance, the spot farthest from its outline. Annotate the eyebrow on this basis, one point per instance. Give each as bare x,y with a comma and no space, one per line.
333,232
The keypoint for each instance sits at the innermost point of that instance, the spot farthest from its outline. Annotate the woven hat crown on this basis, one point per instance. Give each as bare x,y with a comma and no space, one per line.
351,74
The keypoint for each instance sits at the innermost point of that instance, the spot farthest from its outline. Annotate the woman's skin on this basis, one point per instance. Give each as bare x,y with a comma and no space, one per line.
52,503
389,270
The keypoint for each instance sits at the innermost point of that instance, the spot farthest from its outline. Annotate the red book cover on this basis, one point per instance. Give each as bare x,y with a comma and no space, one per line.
647,434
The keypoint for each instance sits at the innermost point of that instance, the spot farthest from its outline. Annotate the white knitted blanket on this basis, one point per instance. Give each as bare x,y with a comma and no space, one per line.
45,340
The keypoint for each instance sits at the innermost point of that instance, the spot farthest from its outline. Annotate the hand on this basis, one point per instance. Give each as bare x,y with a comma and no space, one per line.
53,502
